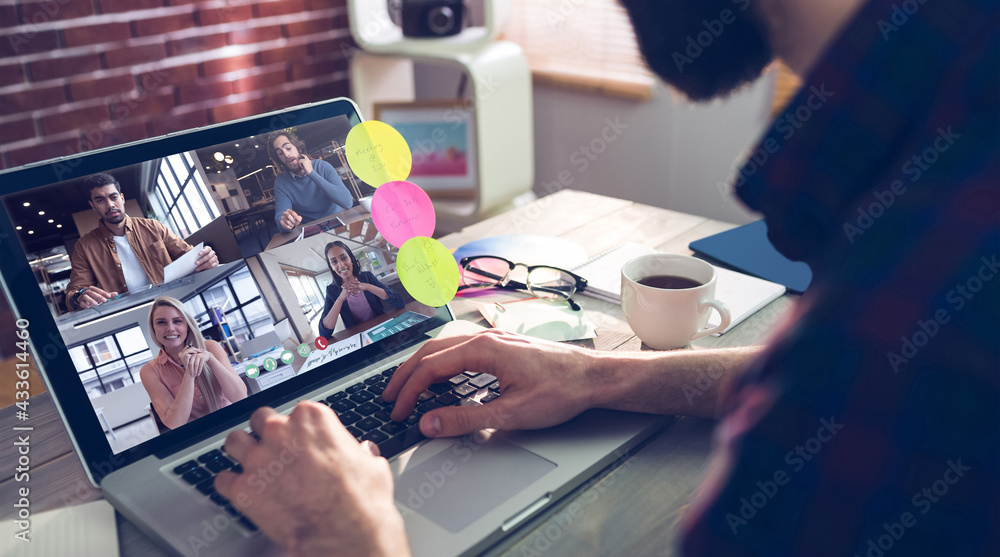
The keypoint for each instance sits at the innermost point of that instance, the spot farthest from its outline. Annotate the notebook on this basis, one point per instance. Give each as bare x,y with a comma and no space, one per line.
161,478
744,294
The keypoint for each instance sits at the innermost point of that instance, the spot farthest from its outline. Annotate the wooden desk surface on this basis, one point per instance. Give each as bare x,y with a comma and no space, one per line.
631,509
347,217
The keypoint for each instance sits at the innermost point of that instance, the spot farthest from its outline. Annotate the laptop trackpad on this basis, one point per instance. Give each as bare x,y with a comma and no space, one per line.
460,484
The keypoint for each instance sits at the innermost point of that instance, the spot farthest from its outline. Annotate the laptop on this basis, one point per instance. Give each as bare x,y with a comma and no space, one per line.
457,496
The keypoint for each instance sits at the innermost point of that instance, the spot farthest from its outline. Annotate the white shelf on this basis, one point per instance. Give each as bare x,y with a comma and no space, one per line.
376,33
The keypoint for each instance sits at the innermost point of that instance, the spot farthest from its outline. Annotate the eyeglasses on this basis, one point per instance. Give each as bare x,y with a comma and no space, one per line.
542,281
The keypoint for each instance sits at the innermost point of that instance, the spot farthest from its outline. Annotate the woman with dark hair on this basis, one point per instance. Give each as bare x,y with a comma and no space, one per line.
355,295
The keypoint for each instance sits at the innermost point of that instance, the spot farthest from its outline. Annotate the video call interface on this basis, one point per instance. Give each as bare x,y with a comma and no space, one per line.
219,298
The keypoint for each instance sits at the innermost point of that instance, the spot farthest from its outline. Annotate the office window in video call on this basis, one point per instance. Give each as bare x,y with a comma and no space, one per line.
231,260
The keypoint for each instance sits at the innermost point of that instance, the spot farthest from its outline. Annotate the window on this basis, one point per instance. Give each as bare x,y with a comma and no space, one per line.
182,197
583,43
308,292
109,363
241,303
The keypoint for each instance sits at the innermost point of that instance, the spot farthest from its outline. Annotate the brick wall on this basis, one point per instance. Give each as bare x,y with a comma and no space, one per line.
77,75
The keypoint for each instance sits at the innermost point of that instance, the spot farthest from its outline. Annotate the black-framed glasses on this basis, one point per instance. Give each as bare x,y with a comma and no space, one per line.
542,281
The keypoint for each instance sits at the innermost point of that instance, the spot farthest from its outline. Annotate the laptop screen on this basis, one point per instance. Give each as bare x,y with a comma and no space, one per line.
192,275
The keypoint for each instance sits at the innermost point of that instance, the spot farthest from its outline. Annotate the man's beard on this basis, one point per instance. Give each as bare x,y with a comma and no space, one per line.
703,48
115,220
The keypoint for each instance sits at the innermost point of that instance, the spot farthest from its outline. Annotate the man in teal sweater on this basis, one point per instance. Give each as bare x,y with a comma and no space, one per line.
306,189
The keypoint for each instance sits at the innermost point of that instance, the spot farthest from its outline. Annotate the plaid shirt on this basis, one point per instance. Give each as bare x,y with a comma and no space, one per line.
870,428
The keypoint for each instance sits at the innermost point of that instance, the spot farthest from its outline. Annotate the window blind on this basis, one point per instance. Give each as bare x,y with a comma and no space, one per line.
587,44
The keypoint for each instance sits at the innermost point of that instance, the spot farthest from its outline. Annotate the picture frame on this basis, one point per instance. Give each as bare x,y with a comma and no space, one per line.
441,134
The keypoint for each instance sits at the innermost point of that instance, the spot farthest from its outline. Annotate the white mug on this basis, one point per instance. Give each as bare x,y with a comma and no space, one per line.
666,318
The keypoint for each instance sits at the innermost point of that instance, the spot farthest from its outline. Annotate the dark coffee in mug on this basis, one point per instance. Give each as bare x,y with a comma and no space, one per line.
669,282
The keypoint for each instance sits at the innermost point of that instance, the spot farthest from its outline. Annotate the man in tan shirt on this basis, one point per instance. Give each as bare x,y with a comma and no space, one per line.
123,253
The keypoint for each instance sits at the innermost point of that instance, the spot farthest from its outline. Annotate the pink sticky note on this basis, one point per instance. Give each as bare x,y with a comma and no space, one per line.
402,210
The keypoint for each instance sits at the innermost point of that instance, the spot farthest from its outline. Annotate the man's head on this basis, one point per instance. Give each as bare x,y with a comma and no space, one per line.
286,150
105,196
703,48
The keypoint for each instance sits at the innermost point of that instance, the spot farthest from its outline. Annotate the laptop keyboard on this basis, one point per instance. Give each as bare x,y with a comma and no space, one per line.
365,415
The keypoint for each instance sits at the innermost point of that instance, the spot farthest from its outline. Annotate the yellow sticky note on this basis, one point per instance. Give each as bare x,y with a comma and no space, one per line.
428,271
377,153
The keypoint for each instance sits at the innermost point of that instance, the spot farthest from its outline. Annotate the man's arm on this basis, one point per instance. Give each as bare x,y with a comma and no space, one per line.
325,176
282,203
545,383
83,291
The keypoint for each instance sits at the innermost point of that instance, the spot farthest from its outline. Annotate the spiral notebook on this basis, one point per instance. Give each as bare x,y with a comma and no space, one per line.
744,294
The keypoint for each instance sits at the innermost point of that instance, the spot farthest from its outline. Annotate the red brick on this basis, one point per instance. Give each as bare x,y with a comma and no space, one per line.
229,14
322,4
284,54
133,55
330,46
181,74
162,25
43,150
112,6
281,7
255,35
94,34
167,123
18,130
18,44
8,16
236,110
11,74
202,91
100,87
62,67
181,2
260,82
41,12
331,89
32,99
308,27
313,68
152,103
224,65
285,99
127,131
74,119
196,44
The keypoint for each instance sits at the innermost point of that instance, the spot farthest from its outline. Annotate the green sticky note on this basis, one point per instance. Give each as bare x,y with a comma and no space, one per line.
428,271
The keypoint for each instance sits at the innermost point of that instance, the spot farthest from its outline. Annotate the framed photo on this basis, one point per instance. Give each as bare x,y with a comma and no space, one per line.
442,138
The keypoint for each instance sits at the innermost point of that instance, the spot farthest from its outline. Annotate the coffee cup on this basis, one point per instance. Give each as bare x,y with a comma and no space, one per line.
667,299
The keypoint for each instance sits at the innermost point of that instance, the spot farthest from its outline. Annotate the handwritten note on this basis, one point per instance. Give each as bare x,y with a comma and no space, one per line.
377,153
428,271
402,210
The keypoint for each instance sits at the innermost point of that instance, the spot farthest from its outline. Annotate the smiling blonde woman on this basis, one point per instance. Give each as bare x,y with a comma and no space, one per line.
191,376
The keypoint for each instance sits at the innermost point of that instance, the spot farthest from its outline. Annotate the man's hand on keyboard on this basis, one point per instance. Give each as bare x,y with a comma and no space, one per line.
542,383
311,487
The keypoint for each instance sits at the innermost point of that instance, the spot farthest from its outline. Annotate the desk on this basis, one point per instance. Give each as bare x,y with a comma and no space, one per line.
348,217
631,509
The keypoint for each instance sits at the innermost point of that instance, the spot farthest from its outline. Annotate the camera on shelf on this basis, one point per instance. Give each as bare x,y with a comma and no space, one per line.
428,18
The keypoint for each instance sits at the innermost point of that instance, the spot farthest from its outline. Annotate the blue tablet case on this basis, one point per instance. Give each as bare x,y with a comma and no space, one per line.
748,249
